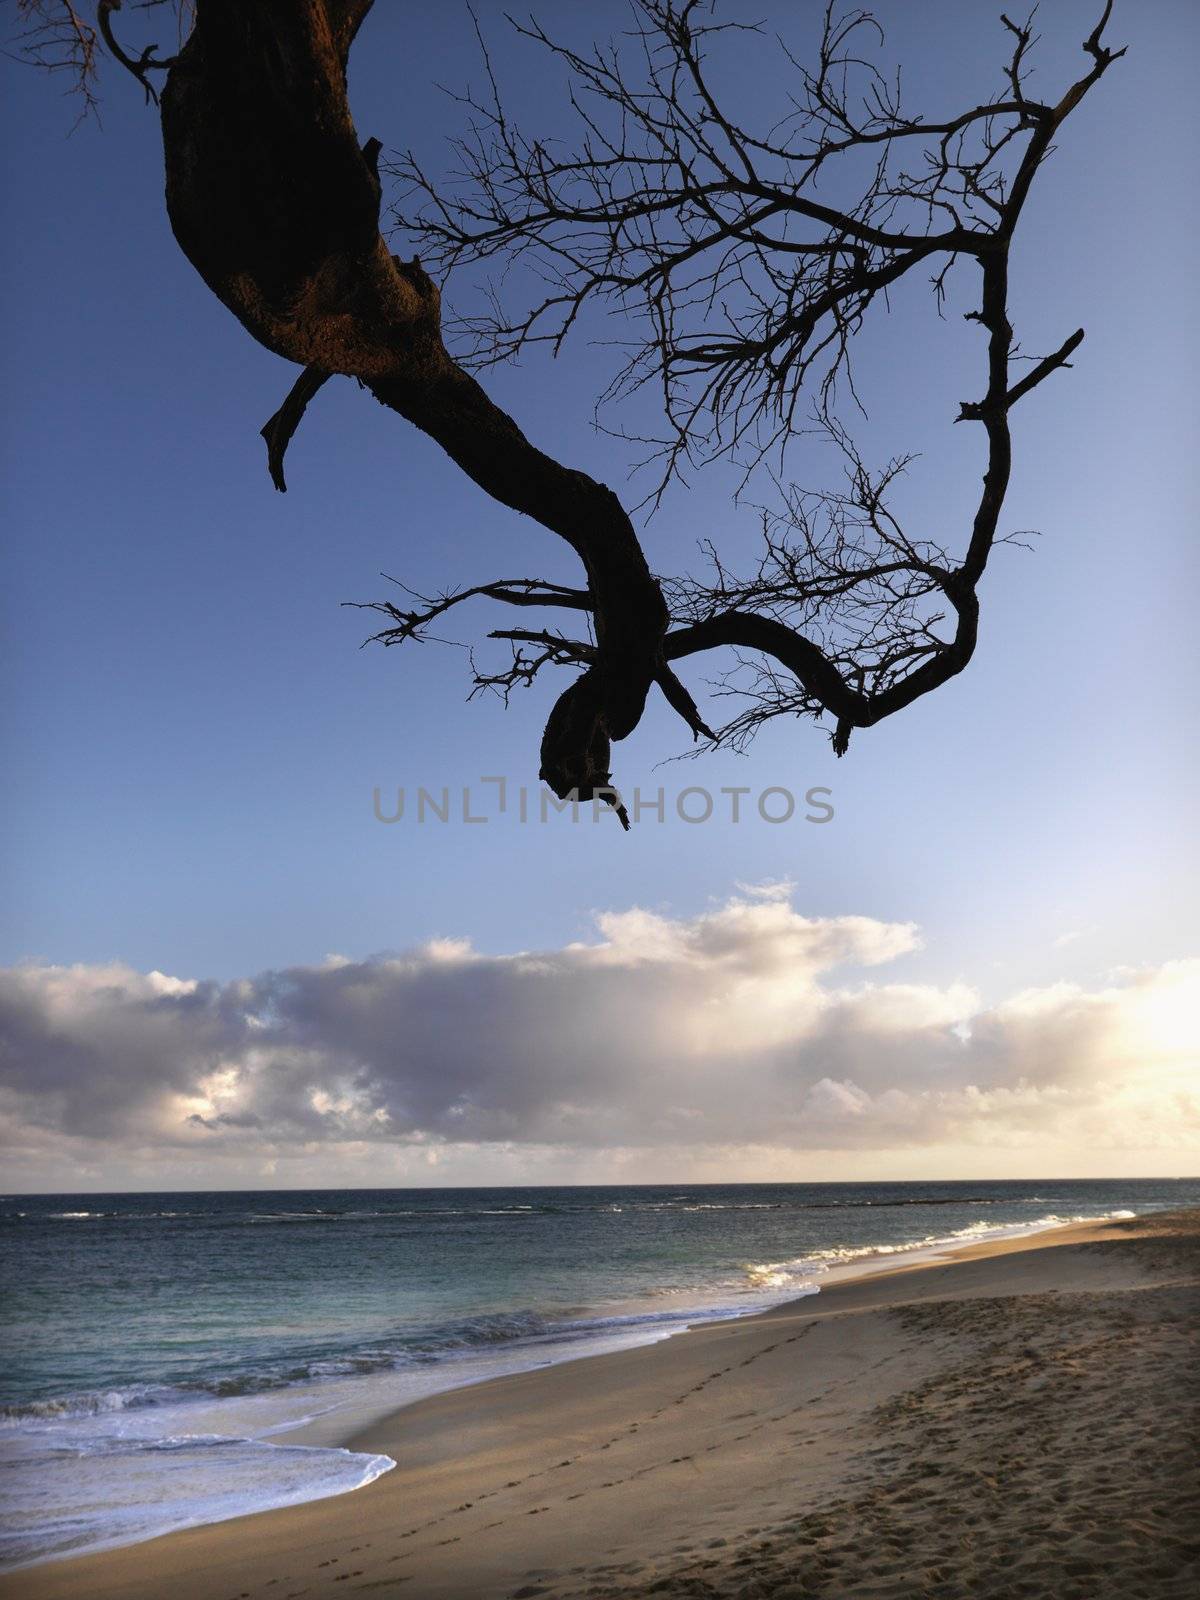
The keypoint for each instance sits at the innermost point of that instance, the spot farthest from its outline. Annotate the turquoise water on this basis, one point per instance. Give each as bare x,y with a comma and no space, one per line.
179,1358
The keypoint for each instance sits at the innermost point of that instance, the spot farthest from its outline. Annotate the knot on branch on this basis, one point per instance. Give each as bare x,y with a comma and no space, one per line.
576,750
414,273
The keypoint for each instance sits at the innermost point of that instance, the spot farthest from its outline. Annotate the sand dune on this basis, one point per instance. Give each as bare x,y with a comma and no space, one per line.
1018,1421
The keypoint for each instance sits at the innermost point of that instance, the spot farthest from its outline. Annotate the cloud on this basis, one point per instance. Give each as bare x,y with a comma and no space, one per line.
750,1027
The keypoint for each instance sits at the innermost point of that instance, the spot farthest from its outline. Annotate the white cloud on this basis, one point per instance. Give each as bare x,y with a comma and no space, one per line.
747,1034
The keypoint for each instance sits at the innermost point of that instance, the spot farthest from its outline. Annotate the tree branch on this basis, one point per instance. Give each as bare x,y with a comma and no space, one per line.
278,429
273,201
746,291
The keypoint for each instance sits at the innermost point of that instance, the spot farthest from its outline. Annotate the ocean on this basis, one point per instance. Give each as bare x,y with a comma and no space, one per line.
171,1359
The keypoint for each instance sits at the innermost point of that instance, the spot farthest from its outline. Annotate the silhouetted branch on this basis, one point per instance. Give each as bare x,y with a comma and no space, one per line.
672,213
141,65
744,262
278,429
513,591
712,240
56,36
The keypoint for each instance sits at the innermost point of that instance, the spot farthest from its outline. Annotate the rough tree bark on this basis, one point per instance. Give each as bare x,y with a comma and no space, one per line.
276,204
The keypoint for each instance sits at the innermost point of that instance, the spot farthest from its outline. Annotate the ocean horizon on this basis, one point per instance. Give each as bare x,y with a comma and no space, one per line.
176,1358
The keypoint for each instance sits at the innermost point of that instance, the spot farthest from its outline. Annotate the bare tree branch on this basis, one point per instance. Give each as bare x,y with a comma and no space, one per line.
709,241
672,214
56,36
141,65
744,262
278,429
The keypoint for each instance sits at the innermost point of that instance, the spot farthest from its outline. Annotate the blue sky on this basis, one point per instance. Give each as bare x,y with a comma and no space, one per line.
192,735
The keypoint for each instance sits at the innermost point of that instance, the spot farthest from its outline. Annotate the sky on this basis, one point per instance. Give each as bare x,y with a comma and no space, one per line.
221,968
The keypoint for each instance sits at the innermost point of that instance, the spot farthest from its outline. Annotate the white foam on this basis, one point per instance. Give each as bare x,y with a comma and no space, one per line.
131,1464
798,1275
88,1483
121,1470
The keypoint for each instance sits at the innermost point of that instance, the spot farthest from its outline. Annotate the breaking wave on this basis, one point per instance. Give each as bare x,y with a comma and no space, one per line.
800,1272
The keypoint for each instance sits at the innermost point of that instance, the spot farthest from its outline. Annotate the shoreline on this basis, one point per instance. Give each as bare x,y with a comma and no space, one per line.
335,1416
879,1262
498,1483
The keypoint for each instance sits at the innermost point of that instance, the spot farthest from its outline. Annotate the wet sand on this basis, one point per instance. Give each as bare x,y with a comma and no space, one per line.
1019,1420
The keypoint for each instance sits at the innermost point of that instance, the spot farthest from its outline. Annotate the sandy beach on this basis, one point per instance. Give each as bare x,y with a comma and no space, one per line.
1018,1419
